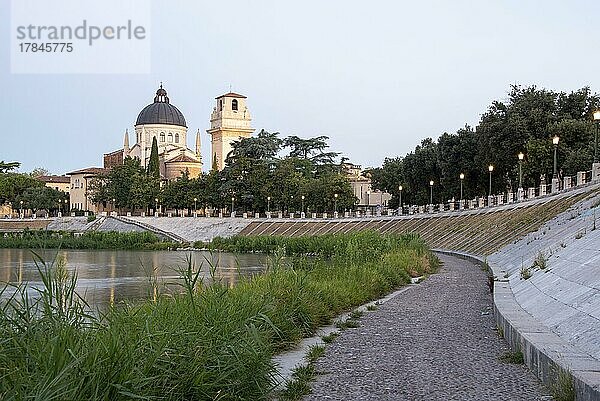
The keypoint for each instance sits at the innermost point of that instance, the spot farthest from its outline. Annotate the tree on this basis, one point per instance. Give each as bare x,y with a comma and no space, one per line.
38,172
6,167
153,163
38,198
13,185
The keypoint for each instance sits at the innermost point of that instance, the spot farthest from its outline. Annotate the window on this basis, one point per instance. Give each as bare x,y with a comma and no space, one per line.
162,136
170,138
176,138
220,104
234,105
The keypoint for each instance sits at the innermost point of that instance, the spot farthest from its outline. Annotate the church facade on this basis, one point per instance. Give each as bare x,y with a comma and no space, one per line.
230,121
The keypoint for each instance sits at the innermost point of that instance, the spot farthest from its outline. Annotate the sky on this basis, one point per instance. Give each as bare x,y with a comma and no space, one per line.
375,77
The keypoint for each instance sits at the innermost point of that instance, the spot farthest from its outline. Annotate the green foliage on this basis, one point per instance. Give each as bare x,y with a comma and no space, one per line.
540,261
14,185
153,164
87,240
515,358
208,343
562,387
129,185
525,123
5,167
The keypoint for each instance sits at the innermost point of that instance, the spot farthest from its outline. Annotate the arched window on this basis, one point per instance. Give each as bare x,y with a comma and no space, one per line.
162,136
170,138
176,138
234,105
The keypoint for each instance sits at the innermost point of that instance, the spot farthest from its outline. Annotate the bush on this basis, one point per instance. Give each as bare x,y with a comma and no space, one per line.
88,240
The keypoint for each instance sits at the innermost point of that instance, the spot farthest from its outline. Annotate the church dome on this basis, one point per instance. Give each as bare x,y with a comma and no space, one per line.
161,111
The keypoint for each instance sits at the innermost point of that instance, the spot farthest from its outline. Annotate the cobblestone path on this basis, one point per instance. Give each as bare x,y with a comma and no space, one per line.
436,341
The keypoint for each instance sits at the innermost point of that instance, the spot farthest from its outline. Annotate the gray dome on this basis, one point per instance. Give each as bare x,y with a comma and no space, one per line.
161,111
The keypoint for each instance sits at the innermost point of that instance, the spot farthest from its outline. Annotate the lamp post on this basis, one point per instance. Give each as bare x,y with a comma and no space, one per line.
22,214
195,208
400,198
155,205
462,178
431,192
597,121
490,169
302,204
335,197
269,204
232,204
555,142
521,157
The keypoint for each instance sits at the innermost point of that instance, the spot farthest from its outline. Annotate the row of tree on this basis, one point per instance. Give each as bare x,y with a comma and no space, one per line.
525,123
256,178
24,190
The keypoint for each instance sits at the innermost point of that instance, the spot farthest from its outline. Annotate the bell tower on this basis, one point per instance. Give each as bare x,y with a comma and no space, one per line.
229,121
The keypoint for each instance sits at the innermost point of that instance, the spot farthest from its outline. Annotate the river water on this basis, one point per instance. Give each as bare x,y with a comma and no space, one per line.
111,277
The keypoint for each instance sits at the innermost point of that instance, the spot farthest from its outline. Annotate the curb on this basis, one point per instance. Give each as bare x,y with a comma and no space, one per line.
545,353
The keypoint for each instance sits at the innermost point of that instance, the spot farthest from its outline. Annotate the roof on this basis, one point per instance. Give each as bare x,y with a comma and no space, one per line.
116,152
231,94
161,111
90,170
182,159
55,178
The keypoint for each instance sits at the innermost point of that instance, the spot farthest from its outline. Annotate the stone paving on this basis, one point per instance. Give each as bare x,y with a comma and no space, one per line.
436,341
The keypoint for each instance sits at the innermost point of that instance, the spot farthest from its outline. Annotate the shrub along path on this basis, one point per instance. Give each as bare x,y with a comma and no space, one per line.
436,341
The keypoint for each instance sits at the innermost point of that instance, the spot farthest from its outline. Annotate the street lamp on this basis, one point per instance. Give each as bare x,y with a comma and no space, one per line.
195,208
155,205
22,215
462,177
521,157
302,203
335,196
490,169
400,197
597,121
431,192
269,204
232,203
555,142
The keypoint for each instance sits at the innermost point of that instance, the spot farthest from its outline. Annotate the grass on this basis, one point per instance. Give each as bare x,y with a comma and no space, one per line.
329,338
512,357
540,261
207,343
562,387
88,240
302,376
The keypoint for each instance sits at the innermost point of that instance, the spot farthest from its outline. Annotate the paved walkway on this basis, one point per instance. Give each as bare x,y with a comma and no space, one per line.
436,341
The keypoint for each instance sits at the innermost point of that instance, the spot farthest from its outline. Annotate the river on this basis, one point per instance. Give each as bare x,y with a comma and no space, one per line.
111,277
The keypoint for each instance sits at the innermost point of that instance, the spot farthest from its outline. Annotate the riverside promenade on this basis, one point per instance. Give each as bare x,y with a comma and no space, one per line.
436,341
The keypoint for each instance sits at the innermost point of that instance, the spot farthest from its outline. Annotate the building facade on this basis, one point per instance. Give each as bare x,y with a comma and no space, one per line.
79,196
230,121
368,198
58,182
163,121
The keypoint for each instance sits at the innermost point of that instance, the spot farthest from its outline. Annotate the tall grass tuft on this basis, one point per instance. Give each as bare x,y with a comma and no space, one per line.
209,343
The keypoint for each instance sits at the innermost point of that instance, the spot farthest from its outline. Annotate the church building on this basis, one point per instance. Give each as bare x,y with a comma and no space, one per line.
230,121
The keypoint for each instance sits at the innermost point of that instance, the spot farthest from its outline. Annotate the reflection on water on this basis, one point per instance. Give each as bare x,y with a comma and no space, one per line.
109,277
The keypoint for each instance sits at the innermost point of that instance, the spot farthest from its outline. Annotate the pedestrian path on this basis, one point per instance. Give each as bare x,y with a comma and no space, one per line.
437,341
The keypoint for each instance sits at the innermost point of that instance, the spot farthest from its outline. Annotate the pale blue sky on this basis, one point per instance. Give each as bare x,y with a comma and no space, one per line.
376,77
